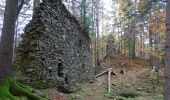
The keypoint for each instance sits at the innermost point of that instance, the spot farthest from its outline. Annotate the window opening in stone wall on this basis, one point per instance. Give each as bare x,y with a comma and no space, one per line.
50,71
83,66
80,43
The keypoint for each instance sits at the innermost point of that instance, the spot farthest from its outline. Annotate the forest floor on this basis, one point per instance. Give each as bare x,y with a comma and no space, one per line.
136,83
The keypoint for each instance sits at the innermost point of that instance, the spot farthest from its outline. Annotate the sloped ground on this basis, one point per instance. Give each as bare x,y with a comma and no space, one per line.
136,83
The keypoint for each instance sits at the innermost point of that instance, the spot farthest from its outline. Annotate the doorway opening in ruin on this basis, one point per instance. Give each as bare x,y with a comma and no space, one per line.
60,70
66,80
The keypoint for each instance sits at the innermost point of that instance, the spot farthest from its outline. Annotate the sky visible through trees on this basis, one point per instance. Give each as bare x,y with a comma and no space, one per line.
27,13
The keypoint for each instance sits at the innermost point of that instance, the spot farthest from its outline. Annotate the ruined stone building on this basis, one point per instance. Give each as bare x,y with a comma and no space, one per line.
55,48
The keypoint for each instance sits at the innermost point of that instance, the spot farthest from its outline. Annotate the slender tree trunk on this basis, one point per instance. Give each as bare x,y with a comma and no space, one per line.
94,32
102,47
133,44
119,38
73,7
150,42
7,39
35,5
141,44
151,48
15,39
134,33
167,57
121,42
97,29
84,13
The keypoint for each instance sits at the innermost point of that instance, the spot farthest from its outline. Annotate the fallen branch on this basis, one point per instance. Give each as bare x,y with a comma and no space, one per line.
104,72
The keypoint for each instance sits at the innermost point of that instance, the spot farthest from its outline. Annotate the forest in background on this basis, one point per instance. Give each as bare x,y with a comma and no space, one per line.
136,27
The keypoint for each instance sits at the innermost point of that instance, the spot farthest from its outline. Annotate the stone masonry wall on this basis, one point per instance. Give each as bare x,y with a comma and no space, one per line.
55,48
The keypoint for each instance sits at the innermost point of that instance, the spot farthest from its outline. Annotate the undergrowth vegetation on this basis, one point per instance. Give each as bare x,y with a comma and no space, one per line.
145,89
149,87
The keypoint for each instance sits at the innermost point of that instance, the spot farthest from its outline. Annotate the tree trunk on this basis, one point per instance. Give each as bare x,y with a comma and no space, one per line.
15,39
97,30
167,57
7,38
151,48
93,32
35,5
134,33
84,13
8,86
73,7
133,43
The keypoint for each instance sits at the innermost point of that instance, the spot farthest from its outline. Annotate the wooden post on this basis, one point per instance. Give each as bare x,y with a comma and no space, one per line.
109,80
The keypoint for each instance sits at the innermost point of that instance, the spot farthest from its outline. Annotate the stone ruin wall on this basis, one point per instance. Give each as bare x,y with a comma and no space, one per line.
55,48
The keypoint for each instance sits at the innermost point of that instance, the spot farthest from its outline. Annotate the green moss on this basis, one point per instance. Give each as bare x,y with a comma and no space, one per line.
108,95
5,94
12,90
